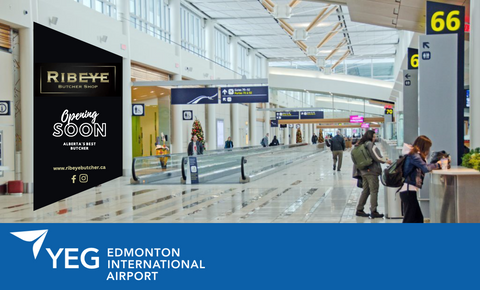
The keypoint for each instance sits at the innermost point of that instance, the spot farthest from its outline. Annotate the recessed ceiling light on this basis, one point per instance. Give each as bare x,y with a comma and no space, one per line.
134,99
135,88
152,92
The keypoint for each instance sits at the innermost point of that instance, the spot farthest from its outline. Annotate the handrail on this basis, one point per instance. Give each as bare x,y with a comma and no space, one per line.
184,161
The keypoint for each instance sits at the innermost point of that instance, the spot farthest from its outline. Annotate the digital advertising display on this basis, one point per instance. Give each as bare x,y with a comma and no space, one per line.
356,119
77,116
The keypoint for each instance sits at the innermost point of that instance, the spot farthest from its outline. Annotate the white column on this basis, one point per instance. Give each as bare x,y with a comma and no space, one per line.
177,124
266,117
124,10
211,132
252,121
293,135
175,22
210,39
235,116
26,92
474,75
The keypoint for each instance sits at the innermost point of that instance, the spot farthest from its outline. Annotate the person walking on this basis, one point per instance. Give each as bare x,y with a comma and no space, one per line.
274,142
229,143
264,141
370,176
314,138
337,145
195,147
414,169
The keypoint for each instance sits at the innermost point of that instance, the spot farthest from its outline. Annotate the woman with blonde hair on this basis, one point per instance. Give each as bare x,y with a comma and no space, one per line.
414,169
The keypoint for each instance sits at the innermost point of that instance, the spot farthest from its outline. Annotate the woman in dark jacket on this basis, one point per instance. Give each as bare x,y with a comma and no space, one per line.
414,170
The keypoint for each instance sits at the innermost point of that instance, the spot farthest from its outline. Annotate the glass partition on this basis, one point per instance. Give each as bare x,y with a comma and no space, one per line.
259,165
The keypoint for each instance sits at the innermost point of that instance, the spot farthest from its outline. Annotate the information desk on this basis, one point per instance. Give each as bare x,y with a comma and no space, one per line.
455,196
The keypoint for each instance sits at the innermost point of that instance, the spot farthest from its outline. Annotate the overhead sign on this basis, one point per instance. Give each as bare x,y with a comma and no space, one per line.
4,108
288,115
138,109
235,95
356,119
194,96
274,123
187,115
412,58
445,18
77,116
365,125
388,111
311,115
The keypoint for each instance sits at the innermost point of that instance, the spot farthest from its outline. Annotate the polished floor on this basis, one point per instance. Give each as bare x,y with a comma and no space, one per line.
306,192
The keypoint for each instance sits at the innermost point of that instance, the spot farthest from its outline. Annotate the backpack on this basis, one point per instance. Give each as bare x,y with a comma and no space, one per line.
392,176
361,157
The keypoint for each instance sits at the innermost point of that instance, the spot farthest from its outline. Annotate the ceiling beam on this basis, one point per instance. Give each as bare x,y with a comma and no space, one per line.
315,21
330,35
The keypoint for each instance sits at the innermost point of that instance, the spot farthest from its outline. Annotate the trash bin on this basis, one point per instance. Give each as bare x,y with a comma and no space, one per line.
393,203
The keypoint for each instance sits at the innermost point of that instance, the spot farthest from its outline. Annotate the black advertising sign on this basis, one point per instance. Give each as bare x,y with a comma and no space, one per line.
77,116
236,95
311,115
194,96
274,123
450,19
412,58
287,115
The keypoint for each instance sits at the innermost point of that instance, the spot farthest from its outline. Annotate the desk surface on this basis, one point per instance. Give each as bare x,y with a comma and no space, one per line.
457,170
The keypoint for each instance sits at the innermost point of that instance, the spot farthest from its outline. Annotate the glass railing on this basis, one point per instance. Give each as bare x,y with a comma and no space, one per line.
216,166
160,167
259,165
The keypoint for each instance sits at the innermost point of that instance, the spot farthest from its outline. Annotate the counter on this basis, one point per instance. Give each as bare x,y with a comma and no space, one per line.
455,196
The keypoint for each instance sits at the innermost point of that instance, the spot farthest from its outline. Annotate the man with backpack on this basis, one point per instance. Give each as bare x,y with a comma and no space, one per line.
264,141
367,158
337,145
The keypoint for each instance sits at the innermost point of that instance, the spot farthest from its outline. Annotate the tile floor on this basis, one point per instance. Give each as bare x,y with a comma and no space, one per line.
307,192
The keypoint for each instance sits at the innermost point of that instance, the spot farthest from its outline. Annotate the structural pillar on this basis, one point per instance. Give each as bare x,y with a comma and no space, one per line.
253,124
266,117
235,116
177,125
211,132
26,93
124,10
474,75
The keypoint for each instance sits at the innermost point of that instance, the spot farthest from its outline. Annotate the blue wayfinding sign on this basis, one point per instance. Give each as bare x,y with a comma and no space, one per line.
311,115
159,255
287,115
273,123
235,95
194,96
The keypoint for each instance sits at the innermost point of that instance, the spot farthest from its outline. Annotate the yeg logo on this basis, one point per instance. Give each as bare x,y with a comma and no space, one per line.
39,236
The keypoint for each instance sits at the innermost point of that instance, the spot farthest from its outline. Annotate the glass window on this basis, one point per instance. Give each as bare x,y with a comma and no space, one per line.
222,48
107,7
192,32
243,63
152,17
